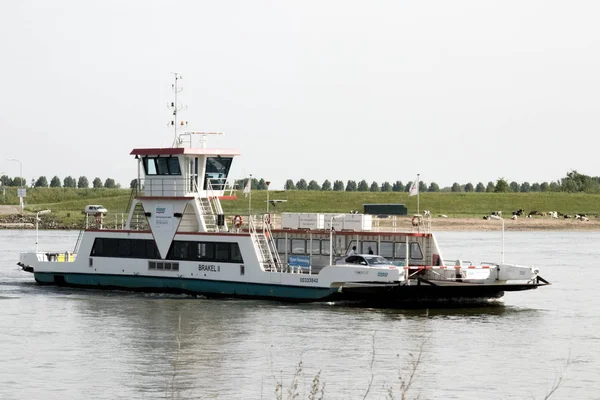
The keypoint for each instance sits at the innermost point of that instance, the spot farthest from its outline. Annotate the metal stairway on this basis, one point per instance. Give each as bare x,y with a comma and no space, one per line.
267,251
208,215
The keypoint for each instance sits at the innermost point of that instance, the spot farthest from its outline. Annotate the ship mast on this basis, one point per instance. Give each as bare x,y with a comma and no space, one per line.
175,108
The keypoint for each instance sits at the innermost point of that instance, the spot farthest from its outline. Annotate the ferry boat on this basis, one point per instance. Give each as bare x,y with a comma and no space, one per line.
177,238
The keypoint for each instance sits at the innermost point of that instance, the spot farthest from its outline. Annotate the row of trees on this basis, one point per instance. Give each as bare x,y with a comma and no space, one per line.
573,182
55,182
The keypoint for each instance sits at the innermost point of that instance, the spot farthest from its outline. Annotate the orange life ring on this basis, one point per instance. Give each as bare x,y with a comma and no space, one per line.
416,218
237,221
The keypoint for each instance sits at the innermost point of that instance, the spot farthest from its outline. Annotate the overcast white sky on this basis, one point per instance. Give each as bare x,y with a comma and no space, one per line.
459,90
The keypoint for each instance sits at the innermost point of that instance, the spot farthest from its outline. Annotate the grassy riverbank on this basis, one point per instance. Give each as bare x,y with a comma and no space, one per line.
67,204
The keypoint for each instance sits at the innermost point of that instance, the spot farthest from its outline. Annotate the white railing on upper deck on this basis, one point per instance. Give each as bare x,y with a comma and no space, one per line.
226,186
169,186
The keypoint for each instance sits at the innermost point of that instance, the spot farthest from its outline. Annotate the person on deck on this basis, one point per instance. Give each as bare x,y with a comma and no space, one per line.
352,251
370,250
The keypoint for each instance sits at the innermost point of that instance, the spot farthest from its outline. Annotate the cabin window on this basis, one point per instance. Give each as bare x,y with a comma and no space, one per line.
206,251
415,251
222,251
281,245
174,168
365,247
325,247
124,248
386,249
217,169
400,250
316,246
298,246
161,166
236,254
149,166
180,251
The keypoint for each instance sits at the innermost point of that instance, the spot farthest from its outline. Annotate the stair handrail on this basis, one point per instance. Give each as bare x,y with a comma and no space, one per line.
271,242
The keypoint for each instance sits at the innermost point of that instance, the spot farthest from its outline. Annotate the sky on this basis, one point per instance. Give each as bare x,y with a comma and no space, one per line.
456,91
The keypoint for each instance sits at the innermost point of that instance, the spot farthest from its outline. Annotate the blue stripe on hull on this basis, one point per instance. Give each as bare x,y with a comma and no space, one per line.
182,285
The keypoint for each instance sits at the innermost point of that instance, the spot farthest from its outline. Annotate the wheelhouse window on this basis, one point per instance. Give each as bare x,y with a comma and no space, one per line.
217,169
161,165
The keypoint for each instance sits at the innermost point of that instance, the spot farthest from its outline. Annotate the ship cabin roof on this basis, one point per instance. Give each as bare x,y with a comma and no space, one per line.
170,151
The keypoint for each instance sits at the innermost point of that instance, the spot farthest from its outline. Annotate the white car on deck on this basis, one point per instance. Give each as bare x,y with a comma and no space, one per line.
370,260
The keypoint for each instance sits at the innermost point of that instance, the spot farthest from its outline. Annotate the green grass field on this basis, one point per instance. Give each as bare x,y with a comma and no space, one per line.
67,204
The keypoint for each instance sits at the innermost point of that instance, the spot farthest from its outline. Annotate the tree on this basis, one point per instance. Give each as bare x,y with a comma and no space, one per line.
407,186
480,188
109,183
398,186
386,187
490,187
262,185
97,183
351,186
554,187
501,186
326,185
19,181
536,187
41,182
514,187
289,185
525,187
363,186
422,186
544,186
82,182
313,185
69,182
338,186
469,187
455,187
374,187
5,180
133,184
55,182
433,187
301,185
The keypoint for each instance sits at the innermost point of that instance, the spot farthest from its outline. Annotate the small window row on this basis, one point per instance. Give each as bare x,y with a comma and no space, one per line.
321,247
161,165
163,266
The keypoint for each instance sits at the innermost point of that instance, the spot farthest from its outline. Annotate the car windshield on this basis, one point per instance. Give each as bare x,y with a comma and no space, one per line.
376,260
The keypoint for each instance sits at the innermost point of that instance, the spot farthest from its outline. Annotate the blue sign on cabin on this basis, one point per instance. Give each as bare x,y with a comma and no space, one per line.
299,261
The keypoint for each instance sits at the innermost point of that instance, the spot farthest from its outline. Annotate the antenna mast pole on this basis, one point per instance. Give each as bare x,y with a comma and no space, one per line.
175,107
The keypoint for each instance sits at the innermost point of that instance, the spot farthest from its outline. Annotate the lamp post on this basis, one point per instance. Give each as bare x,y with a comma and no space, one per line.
37,219
20,177
331,236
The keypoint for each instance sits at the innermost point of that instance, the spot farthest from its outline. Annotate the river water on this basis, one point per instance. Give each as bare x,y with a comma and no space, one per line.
58,343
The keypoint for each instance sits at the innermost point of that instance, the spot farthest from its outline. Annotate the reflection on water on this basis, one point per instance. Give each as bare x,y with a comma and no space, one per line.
70,343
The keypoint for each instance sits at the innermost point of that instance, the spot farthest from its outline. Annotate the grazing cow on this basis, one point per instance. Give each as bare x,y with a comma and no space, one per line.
534,214
567,216
496,213
515,216
553,214
486,217
426,213
519,212
495,217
